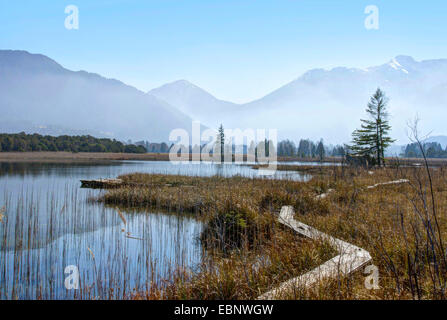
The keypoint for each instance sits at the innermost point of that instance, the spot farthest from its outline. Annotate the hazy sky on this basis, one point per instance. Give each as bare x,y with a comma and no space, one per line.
239,50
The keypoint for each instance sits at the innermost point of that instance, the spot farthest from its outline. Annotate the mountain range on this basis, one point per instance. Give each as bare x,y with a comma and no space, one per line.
38,94
328,103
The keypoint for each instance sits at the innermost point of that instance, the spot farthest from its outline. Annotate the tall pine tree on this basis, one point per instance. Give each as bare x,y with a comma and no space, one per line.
321,153
221,143
373,137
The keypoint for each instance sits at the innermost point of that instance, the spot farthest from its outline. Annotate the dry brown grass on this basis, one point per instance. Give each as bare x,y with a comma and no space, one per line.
244,274
397,224
206,194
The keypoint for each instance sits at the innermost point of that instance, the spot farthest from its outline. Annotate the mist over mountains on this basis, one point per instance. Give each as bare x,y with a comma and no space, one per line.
39,95
329,103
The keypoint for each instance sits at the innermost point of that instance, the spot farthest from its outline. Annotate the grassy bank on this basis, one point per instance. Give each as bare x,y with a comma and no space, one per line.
247,251
61,156
404,227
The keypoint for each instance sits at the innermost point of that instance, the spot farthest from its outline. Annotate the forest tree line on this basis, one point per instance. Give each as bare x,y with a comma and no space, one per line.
23,142
309,149
431,150
154,147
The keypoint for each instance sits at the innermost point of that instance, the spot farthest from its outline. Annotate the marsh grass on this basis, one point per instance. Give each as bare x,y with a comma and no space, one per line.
398,224
244,274
404,227
245,251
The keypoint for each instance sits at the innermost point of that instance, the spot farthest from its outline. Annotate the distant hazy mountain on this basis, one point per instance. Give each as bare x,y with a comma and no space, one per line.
394,151
195,102
9,126
39,95
329,103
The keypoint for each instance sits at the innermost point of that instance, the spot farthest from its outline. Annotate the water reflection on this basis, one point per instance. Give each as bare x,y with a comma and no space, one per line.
49,224
111,169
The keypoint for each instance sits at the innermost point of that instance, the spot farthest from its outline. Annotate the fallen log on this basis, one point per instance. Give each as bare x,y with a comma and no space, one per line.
102,183
117,183
401,181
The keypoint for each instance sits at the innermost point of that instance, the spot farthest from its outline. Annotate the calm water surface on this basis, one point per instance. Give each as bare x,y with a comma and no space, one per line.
50,225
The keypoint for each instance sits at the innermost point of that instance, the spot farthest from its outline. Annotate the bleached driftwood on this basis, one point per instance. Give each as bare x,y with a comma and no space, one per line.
324,195
401,181
350,258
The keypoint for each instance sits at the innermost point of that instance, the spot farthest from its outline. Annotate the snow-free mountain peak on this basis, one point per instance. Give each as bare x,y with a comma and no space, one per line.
193,101
23,61
37,92
181,87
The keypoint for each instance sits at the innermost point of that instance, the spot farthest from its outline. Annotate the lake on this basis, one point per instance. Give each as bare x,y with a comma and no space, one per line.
50,227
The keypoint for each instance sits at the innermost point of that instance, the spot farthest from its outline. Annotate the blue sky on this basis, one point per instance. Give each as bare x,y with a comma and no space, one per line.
238,50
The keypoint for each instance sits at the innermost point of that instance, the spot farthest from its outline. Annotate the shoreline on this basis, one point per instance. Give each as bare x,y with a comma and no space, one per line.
48,156
62,156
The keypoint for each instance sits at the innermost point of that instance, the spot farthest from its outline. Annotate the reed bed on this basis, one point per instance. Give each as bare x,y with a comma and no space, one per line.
204,195
116,252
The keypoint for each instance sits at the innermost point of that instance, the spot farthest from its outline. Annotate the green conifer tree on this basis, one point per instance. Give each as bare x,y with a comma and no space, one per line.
321,153
372,138
221,142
